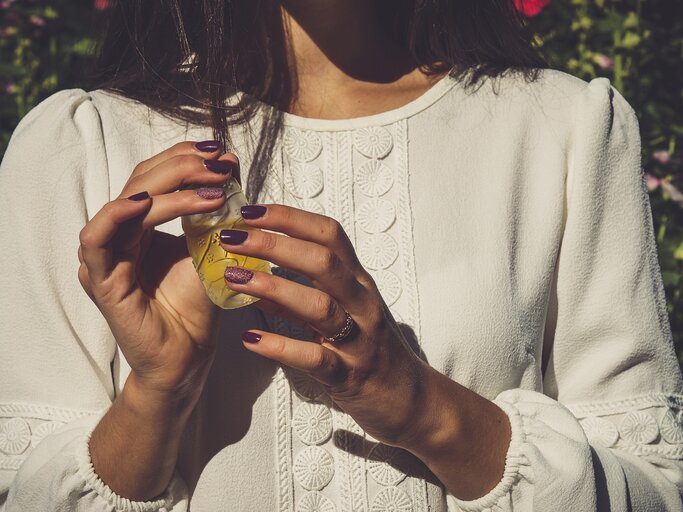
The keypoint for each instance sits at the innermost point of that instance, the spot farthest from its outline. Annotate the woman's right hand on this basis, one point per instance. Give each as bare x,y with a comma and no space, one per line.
143,280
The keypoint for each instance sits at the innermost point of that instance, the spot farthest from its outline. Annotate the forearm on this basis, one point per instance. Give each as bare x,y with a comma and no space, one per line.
134,448
462,438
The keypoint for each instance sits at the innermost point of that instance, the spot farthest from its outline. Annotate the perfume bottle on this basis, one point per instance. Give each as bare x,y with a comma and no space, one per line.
202,232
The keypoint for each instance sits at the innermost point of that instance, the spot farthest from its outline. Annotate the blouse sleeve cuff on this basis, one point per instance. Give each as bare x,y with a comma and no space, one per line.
515,461
174,493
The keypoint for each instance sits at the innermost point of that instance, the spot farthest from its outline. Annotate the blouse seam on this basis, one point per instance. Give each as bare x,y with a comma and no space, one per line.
585,409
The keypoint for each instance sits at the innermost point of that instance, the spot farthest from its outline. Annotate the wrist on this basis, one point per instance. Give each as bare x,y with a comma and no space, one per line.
142,399
462,437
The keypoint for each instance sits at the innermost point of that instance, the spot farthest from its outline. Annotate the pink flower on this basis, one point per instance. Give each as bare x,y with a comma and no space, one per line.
531,8
4,4
674,193
662,156
652,182
101,5
37,21
604,61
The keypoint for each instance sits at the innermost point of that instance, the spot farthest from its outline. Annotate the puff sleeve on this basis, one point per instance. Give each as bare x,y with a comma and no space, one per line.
57,349
606,432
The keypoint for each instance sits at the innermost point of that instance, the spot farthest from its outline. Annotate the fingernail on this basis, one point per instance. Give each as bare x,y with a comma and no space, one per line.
233,236
208,146
210,192
253,211
239,275
251,337
219,166
139,196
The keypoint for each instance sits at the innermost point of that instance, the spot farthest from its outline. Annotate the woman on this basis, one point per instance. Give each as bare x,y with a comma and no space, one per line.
466,310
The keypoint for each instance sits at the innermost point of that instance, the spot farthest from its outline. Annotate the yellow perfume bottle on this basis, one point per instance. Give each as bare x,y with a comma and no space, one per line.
202,232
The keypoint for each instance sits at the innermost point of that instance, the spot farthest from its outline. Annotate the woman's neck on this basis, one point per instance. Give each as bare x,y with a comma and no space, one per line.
343,64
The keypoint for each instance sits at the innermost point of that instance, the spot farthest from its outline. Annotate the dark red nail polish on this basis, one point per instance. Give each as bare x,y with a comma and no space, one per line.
208,146
251,337
139,196
252,211
239,275
219,166
233,236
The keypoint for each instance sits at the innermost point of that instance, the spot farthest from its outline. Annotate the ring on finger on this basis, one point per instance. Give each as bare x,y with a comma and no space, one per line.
345,331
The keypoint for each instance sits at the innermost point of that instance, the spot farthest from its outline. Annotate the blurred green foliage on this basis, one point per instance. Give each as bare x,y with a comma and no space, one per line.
637,44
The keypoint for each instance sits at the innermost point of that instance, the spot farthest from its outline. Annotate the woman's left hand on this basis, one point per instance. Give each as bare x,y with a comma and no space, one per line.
373,375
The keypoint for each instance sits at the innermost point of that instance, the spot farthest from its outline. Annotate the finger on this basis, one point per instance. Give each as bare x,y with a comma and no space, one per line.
316,359
319,263
182,171
204,149
95,237
167,207
310,305
305,225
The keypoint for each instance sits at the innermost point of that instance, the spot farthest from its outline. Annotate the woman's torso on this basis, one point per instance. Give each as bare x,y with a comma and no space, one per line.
455,204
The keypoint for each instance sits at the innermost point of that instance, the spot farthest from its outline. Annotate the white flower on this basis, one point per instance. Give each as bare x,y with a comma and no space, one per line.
43,430
315,501
382,465
389,286
311,205
671,427
15,436
302,146
373,141
312,423
373,178
304,180
639,427
378,251
376,215
391,499
600,431
306,387
313,468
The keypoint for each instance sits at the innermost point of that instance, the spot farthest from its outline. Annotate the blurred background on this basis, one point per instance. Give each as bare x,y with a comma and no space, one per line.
637,44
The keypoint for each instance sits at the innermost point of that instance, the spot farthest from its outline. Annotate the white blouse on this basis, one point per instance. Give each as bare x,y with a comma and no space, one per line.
510,233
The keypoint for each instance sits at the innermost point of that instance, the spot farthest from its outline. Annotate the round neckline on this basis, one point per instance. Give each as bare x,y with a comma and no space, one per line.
424,100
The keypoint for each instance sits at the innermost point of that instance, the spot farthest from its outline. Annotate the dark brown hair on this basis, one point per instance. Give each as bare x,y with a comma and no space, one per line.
184,58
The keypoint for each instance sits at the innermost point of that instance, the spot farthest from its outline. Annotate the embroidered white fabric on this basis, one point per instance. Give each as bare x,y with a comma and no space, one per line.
508,230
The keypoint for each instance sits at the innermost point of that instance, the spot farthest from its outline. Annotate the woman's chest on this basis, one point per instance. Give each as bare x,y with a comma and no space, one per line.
460,241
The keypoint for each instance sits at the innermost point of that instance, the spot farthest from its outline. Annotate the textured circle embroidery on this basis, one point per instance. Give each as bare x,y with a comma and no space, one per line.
378,251
373,178
312,423
313,468
373,141
391,499
639,427
15,436
306,387
43,430
315,501
671,427
302,146
376,215
600,431
389,285
382,461
313,206
304,180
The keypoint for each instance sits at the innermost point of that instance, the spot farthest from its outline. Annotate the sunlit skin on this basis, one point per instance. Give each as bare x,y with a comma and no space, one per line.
143,282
